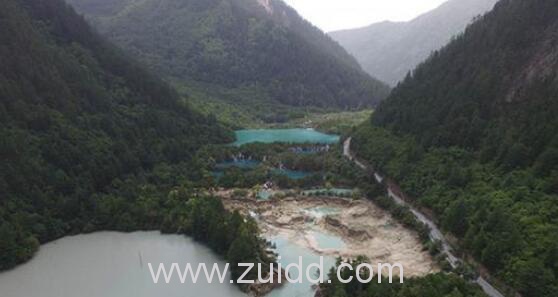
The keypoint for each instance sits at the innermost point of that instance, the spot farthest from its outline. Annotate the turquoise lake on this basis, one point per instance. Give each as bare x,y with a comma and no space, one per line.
252,164
284,135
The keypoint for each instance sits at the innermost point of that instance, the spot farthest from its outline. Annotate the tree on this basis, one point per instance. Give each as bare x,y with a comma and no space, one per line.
242,250
455,218
533,279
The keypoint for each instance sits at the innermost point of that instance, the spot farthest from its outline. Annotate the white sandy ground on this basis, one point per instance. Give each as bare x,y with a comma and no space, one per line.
366,229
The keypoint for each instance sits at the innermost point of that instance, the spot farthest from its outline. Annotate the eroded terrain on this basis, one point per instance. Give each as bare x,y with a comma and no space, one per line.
338,227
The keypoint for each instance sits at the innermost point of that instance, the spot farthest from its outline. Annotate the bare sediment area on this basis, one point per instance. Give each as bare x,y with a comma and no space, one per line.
338,227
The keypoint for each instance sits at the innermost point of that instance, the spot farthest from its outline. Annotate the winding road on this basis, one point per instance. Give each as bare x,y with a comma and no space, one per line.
435,233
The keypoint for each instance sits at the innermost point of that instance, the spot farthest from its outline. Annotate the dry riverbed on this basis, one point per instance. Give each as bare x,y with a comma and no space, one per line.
355,227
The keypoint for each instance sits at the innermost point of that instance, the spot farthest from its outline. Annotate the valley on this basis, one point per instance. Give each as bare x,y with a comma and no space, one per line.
334,219
308,221
237,131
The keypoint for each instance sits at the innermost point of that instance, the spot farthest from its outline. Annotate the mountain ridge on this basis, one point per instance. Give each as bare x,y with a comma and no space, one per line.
238,44
389,50
471,135
81,127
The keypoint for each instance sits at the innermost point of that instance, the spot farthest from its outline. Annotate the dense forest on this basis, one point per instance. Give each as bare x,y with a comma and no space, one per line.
90,141
432,285
471,135
248,52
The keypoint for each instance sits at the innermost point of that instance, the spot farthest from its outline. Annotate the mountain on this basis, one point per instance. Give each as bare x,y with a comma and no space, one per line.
389,50
262,50
471,134
81,128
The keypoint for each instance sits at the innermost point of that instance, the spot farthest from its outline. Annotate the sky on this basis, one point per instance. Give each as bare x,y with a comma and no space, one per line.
331,15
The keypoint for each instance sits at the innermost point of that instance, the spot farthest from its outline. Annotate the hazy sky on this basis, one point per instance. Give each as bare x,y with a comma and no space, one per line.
332,15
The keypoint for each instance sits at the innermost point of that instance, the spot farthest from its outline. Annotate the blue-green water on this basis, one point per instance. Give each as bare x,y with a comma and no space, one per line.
292,174
217,174
289,253
322,211
326,241
264,195
284,135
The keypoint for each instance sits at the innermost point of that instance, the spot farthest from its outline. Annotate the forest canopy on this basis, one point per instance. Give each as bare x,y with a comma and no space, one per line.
84,131
238,47
471,134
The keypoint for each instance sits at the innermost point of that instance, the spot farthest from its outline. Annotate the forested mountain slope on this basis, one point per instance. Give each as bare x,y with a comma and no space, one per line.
493,88
260,46
81,128
472,134
389,50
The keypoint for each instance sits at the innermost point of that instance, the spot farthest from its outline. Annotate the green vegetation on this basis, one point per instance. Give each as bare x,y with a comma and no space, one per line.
324,167
89,141
229,114
433,285
340,122
244,108
505,219
238,52
471,134
461,97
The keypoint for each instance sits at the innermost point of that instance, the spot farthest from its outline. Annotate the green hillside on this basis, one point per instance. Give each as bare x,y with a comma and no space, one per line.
88,140
472,135
258,54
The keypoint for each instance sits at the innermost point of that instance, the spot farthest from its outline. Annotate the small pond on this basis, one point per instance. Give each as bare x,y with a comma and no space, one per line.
327,241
